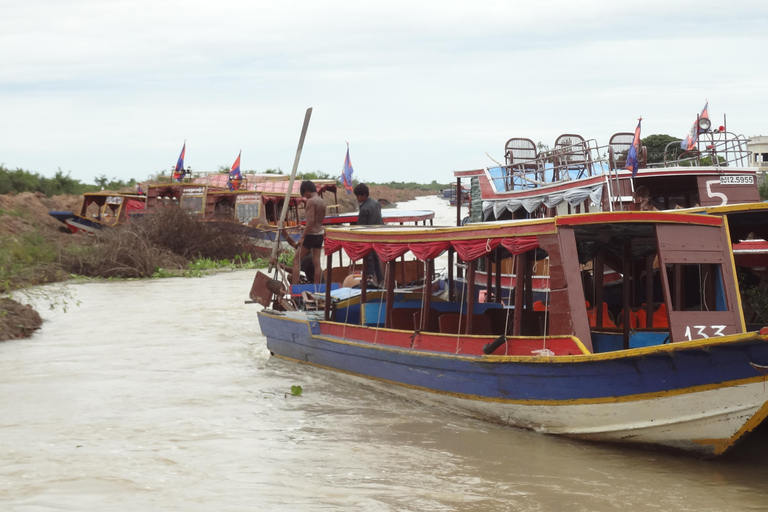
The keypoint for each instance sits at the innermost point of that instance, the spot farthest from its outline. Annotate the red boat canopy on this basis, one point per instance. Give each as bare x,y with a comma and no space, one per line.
476,240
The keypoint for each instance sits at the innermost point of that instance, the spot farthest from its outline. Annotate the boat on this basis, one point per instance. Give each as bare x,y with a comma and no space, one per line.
257,202
579,175
101,209
665,363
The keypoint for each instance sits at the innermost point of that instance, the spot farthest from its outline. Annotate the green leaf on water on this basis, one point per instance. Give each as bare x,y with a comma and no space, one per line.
296,390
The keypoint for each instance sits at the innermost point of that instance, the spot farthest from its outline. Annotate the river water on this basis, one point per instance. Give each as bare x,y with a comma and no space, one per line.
161,395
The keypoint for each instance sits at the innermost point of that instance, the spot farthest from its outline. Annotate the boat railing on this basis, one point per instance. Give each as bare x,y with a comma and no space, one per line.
716,148
570,161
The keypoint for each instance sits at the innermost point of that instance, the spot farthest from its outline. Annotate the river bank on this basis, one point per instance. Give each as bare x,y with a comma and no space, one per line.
36,249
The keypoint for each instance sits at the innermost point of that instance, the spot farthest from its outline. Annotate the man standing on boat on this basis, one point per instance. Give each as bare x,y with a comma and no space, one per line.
369,215
312,236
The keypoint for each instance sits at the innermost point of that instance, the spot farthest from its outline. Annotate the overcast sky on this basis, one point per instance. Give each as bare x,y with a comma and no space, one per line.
418,88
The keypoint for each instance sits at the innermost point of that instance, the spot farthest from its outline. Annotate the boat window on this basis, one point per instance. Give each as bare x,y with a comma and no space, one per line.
192,203
696,287
248,211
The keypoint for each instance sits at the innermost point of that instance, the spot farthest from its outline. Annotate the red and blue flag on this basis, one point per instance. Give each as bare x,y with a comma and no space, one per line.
178,171
234,174
346,173
632,163
690,140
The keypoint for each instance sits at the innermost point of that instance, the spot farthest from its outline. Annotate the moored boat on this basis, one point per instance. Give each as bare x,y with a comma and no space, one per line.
711,175
101,209
666,362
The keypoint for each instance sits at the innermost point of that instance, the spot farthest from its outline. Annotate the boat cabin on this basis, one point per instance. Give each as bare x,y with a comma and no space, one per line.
108,208
674,282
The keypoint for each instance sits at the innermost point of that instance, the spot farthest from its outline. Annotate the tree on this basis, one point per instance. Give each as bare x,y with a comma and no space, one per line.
101,181
657,144
763,189
317,175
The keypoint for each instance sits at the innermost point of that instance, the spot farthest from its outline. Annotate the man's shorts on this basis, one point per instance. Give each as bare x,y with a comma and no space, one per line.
313,242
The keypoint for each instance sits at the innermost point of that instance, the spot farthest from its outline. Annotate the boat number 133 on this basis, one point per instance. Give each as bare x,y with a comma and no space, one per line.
704,331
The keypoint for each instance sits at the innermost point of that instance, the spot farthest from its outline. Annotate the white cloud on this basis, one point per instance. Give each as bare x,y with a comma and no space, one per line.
419,89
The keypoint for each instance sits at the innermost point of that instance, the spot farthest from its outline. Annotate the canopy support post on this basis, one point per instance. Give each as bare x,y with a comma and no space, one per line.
328,272
391,268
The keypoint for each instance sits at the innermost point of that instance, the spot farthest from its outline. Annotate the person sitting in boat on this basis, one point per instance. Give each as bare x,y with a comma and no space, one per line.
369,215
643,199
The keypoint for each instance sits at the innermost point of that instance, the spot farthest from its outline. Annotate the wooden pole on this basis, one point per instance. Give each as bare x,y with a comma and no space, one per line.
364,281
391,268
470,294
520,266
649,290
329,263
599,270
458,201
489,295
290,186
498,276
627,268
428,292
451,284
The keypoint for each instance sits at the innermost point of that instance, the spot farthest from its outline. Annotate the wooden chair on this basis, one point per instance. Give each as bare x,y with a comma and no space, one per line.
618,148
521,156
571,154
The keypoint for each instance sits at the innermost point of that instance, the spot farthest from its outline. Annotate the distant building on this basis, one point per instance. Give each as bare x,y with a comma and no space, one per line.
758,145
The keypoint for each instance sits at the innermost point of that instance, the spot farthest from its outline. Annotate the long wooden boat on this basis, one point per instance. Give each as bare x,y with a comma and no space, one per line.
579,175
257,202
680,371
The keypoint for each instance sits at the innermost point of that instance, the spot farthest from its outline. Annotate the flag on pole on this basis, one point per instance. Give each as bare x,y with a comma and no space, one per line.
632,163
346,173
689,142
178,171
234,174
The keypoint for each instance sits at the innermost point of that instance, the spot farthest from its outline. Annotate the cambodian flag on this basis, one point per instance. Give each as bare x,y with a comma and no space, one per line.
346,174
689,142
178,172
234,174
632,153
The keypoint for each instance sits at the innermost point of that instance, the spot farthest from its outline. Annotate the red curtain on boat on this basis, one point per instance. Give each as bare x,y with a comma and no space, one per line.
521,244
469,250
428,250
390,251
355,250
331,246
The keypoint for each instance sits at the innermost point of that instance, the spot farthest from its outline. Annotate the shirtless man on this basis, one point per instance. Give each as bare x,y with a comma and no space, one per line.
312,236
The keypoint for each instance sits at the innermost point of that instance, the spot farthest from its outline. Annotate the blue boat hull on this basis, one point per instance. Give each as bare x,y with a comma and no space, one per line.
552,394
